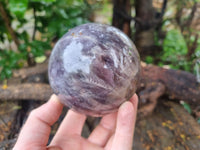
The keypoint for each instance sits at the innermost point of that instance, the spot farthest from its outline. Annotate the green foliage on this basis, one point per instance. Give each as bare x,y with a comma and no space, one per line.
8,61
50,18
18,7
174,44
175,51
186,106
198,120
179,47
149,59
62,19
44,1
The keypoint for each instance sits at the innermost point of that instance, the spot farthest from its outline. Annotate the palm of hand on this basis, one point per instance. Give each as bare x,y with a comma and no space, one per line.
114,132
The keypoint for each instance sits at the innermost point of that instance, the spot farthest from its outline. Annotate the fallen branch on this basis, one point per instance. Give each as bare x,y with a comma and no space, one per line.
26,91
149,96
176,84
155,82
179,84
30,71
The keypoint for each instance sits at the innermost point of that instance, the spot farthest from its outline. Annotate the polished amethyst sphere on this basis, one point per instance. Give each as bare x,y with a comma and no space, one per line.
94,68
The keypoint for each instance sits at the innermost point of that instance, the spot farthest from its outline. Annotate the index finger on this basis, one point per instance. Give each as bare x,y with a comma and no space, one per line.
36,130
123,138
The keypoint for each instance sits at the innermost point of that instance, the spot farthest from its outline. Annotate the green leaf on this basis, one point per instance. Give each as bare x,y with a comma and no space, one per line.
9,60
40,59
175,51
6,73
39,47
18,7
186,106
44,1
149,59
63,13
198,120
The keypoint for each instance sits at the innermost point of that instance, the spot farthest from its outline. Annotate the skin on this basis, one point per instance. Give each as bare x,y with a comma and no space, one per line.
114,132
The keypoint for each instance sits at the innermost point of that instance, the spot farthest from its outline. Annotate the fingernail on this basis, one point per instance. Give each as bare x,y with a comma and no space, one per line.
55,99
126,115
126,108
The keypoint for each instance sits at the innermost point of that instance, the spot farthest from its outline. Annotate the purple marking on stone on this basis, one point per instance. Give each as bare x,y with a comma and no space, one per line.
94,68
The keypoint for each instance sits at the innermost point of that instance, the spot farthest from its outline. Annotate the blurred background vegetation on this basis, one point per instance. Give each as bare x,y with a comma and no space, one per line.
181,43
29,29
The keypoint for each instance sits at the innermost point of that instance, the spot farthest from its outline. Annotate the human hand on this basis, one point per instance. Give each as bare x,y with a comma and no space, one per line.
114,132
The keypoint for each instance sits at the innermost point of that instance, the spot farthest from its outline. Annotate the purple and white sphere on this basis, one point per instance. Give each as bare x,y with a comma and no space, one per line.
94,68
